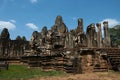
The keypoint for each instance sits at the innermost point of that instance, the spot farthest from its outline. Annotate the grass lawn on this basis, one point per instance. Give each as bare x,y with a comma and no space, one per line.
21,72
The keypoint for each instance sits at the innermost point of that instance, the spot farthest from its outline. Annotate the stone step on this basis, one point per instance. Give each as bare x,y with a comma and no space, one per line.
100,70
114,57
102,67
112,53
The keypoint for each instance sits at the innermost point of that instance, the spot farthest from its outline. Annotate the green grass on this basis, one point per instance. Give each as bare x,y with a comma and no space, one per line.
20,72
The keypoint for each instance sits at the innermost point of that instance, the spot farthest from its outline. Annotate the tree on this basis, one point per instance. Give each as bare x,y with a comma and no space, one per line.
115,35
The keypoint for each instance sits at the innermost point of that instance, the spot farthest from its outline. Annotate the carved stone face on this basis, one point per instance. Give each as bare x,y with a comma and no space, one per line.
35,34
44,30
105,23
98,25
93,26
5,33
58,20
80,20
49,33
72,32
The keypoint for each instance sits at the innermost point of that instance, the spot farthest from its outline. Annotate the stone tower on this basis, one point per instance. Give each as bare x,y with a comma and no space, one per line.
80,26
99,35
106,34
4,42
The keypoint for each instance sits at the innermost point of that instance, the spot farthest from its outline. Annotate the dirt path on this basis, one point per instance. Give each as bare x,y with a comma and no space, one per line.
87,76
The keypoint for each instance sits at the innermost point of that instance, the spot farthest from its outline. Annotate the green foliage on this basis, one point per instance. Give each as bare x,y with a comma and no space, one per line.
115,31
118,41
22,72
115,34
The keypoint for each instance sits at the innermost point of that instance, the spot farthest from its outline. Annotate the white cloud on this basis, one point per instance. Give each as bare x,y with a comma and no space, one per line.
7,24
111,22
32,26
33,1
13,21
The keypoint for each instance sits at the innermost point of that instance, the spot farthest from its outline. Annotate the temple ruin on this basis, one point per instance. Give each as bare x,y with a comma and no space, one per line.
12,48
59,48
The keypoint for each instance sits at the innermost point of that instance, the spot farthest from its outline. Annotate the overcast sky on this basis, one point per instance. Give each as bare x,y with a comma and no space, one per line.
22,17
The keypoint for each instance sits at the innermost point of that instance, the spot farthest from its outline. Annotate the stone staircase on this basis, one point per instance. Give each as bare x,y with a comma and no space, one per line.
102,67
114,58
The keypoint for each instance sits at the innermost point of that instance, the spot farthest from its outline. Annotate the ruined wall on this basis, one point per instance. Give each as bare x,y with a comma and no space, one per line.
12,48
56,38
60,37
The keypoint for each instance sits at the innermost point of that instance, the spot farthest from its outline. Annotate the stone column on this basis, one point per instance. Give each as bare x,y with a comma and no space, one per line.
99,35
106,35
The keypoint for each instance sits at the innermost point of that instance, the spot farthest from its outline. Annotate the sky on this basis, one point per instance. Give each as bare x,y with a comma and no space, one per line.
22,17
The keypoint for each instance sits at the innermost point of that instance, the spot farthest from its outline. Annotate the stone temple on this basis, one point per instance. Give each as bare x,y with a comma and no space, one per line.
60,37
73,51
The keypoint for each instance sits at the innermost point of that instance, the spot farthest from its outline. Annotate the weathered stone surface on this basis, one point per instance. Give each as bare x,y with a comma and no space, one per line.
60,31
81,39
4,42
5,34
57,48
80,26
99,35
91,35
59,36
12,48
107,42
